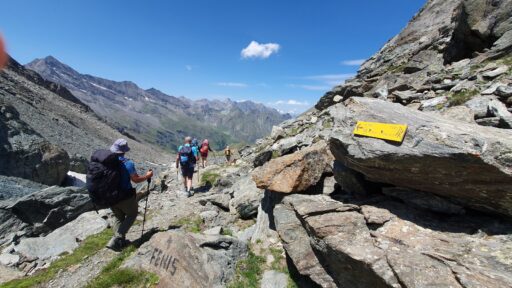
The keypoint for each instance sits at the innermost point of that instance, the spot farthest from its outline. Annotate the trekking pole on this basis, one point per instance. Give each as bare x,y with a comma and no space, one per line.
145,208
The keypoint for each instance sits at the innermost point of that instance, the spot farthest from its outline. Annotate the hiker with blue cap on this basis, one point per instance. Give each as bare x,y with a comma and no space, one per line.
109,178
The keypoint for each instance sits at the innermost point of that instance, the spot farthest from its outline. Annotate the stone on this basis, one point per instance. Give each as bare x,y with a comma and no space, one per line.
376,215
220,200
246,234
7,274
498,109
25,154
286,146
492,88
42,211
13,187
504,91
433,146
78,164
496,72
460,113
262,158
479,105
208,215
8,259
274,279
246,198
264,230
407,96
297,245
432,104
381,93
350,180
192,260
337,98
75,179
213,231
277,133
464,85
424,200
329,185
296,172
63,239
489,121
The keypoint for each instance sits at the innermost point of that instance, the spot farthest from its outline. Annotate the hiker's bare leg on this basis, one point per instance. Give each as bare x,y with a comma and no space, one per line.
189,183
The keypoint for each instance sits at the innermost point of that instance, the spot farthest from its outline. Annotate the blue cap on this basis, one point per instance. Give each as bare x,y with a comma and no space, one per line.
120,146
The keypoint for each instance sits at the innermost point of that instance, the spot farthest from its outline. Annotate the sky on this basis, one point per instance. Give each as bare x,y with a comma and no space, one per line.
282,53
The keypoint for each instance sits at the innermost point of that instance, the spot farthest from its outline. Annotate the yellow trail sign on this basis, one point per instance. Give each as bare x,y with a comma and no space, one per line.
393,132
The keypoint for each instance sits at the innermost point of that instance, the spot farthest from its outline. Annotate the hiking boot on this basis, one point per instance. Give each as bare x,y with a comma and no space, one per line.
116,244
191,192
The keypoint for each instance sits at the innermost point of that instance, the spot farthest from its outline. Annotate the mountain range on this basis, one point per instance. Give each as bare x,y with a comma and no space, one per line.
155,117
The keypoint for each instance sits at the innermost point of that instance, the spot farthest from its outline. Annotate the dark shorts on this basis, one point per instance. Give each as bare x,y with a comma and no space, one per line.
204,155
187,171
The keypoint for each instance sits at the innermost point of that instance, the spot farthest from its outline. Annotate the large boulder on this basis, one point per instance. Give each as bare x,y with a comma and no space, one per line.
42,211
295,172
26,154
246,198
192,260
469,163
388,244
13,187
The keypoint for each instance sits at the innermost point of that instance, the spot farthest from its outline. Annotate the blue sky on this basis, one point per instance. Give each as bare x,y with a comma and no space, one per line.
202,49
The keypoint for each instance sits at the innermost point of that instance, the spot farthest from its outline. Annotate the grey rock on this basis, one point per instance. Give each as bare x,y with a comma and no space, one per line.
492,88
277,133
461,113
407,96
78,164
213,231
504,91
246,234
25,154
350,180
496,72
329,185
431,104
246,198
381,93
193,260
262,158
489,121
42,211
12,187
274,279
479,105
498,109
424,200
63,239
433,146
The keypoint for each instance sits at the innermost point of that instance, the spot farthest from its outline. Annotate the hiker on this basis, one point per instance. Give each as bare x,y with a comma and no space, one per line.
195,143
227,153
205,147
112,166
187,158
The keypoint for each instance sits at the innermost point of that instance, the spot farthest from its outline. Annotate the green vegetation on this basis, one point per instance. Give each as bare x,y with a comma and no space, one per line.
113,276
248,272
460,98
397,69
227,232
275,154
193,225
208,178
327,123
90,246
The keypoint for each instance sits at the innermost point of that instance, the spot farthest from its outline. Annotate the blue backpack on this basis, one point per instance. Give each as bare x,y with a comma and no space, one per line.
187,157
195,142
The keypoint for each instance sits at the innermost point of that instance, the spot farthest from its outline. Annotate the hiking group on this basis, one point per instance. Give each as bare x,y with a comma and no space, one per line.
110,175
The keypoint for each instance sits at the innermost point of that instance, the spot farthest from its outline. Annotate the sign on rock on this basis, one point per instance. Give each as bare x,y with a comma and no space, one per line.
392,132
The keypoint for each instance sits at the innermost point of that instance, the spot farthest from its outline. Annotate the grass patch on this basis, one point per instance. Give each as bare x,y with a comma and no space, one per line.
90,246
248,272
208,178
275,154
193,225
113,276
227,232
460,98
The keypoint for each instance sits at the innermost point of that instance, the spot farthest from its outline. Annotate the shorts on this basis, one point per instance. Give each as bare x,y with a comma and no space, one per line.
187,171
204,155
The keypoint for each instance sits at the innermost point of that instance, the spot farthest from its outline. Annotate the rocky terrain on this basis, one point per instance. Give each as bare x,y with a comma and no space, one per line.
312,204
161,119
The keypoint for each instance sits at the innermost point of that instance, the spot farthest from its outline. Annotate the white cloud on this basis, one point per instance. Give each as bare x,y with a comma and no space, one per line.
188,67
353,62
257,50
232,84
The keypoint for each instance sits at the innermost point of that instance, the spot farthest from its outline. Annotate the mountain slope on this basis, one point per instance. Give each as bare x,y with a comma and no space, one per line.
62,119
153,116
